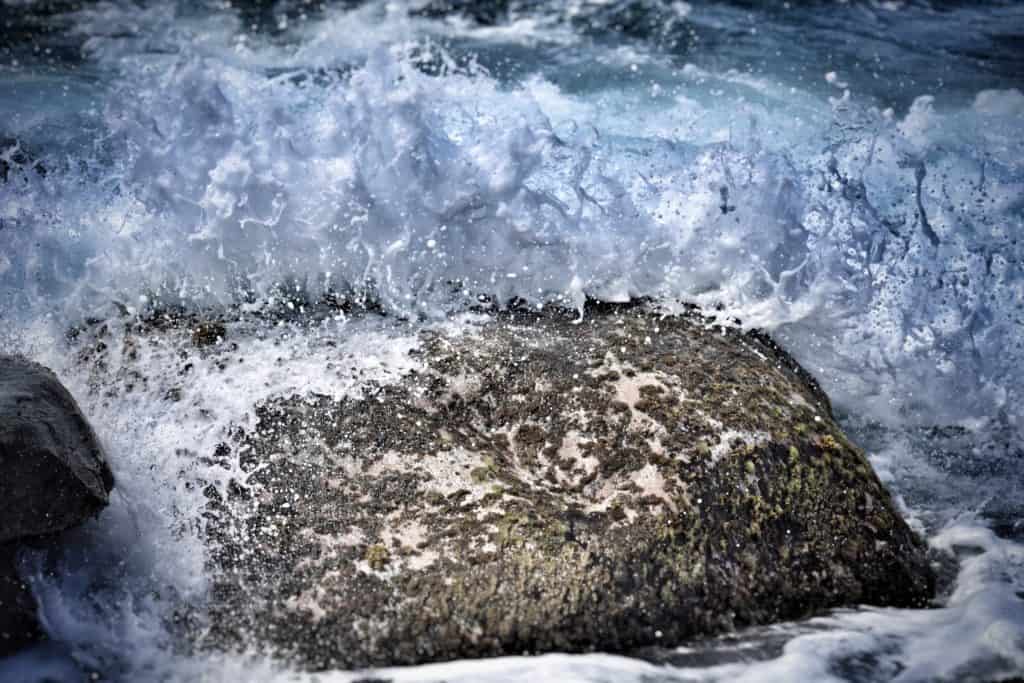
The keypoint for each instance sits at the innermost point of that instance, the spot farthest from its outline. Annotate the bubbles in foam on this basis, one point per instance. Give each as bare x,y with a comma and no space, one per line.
881,249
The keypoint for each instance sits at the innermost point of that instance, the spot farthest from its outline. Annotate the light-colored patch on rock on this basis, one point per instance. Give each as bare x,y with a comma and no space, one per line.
312,601
570,450
451,471
731,439
652,483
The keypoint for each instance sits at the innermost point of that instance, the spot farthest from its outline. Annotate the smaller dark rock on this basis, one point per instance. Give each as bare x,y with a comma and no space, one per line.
53,473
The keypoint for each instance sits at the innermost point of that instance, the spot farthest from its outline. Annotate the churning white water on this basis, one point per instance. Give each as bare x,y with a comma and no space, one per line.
849,177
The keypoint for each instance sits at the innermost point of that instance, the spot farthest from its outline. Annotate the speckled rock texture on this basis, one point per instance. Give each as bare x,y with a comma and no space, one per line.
548,484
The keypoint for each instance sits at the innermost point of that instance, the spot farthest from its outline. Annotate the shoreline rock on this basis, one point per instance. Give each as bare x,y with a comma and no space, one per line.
541,485
53,476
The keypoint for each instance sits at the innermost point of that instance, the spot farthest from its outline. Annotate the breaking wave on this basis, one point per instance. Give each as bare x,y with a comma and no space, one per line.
426,158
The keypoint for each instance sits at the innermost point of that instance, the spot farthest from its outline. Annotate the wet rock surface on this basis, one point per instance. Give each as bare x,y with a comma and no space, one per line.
544,484
53,475
19,626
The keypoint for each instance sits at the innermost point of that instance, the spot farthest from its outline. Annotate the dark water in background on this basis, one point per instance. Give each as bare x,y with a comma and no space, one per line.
848,175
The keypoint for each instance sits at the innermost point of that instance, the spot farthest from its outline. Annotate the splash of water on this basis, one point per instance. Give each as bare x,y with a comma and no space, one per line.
376,152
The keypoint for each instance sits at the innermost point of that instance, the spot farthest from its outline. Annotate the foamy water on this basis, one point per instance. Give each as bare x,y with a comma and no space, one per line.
864,203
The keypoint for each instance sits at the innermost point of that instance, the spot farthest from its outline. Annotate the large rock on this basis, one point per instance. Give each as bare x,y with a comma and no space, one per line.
53,475
542,484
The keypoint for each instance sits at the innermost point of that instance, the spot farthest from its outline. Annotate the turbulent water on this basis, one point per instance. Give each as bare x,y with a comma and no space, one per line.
848,176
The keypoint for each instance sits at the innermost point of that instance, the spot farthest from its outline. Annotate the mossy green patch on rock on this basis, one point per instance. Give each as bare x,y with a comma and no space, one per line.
377,556
545,484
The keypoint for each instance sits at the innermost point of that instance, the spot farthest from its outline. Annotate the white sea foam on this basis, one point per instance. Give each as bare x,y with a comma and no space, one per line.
830,223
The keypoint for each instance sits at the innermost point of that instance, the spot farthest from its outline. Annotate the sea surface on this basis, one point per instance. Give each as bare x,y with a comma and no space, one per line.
846,175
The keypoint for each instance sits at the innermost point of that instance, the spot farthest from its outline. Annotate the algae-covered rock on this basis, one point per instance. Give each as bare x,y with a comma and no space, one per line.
543,483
